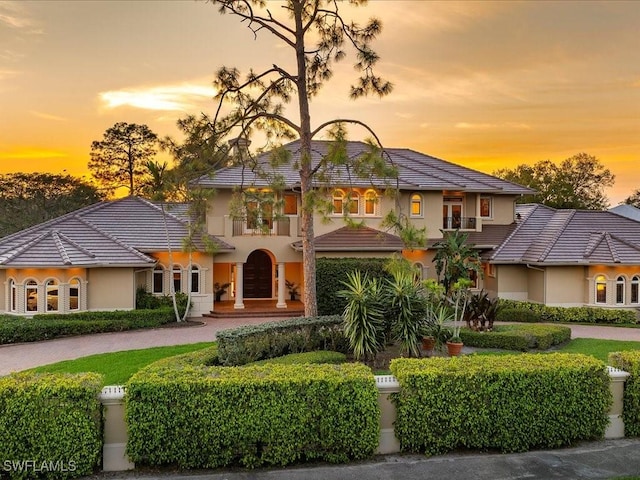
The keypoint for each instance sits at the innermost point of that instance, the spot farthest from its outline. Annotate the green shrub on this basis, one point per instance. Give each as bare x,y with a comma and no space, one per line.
242,345
320,356
149,301
510,403
517,337
208,417
629,361
53,420
515,314
573,314
331,272
15,329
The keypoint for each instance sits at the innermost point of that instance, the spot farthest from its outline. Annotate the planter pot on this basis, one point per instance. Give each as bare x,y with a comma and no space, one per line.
428,343
454,349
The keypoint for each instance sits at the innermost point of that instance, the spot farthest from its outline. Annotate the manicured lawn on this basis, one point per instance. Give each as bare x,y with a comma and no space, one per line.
118,367
598,348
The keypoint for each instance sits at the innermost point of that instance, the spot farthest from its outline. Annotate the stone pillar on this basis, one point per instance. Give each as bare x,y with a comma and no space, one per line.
114,457
239,305
281,298
388,443
616,424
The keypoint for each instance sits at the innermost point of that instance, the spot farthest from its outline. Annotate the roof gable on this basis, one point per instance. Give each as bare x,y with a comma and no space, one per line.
355,239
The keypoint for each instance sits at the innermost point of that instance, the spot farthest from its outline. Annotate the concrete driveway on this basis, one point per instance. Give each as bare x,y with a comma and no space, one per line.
27,355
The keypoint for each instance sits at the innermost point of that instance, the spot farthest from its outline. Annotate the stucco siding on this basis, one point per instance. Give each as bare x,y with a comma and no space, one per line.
566,286
536,285
512,282
111,289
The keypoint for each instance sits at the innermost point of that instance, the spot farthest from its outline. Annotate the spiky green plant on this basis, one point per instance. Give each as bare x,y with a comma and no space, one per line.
363,315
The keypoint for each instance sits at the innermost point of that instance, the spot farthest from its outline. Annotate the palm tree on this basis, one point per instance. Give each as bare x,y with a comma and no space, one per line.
455,259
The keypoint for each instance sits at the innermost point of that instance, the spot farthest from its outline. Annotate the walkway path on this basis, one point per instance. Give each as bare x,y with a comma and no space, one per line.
28,355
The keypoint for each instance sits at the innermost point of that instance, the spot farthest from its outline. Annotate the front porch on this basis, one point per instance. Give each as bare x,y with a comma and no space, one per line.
256,308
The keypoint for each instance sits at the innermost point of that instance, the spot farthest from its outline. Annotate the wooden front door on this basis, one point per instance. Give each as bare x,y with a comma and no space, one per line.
258,281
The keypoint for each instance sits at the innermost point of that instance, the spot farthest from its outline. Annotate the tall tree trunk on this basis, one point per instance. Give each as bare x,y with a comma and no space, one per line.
306,181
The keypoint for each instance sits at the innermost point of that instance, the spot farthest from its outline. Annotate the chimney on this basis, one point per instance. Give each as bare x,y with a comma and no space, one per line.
239,147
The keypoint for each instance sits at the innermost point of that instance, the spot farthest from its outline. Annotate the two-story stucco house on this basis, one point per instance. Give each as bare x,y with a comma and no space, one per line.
96,258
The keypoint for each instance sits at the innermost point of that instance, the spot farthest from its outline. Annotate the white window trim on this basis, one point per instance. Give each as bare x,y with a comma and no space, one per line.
490,216
421,214
635,282
376,203
595,289
621,281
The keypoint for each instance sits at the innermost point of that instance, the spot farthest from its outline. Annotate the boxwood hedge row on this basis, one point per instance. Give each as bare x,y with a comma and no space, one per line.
50,425
14,329
511,403
242,345
629,362
208,417
517,337
563,314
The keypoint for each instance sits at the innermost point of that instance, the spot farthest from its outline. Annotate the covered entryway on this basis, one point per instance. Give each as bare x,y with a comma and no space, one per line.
258,275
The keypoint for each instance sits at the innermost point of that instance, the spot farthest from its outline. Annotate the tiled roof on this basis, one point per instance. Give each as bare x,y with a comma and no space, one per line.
416,171
570,237
355,239
114,233
628,211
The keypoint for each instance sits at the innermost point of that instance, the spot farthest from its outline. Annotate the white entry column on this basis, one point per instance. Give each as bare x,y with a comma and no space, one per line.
239,305
281,300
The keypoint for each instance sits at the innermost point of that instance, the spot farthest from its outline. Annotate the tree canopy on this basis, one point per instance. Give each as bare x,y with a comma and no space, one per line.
317,35
633,199
119,159
577,182
27,199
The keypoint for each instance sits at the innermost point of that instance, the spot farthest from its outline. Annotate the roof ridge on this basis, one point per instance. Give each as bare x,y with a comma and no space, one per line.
76,244
61,250
23,246
116,240
568,214
439,177
612,247
515,230
161,209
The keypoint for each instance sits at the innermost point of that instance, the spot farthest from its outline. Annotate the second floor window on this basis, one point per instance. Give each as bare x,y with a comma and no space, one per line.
485,207
346,202
416,205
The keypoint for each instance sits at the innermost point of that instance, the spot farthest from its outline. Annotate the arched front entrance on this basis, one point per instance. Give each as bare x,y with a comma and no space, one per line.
258,275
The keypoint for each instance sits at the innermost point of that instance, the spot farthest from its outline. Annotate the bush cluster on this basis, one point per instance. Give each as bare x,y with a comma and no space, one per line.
15,329
148,301
208,417
515,314
629,362
320,356
53,420
511,403
564,314
331,272
517,337
242,345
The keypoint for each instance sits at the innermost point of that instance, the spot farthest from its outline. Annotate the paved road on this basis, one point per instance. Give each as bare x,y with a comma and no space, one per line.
28,355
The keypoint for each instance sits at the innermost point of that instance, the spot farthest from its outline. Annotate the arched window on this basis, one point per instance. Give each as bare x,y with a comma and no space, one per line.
601,289
635,289
74,294
13,298
620,284
354,203
418,269
177,278
31,296
158,280
51,287
338,202
370,203
416,205
195,279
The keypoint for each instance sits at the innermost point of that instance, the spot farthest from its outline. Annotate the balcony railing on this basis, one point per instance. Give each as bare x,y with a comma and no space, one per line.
458,223
262,226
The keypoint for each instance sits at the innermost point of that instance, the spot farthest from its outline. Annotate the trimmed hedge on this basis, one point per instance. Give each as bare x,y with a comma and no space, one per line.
242,345
53,421
629,362
568,314
517,337
15,329
330,272
321,356
512,403
209,417
514,314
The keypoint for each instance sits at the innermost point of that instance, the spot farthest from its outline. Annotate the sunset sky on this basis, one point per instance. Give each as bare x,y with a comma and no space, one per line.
484,84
